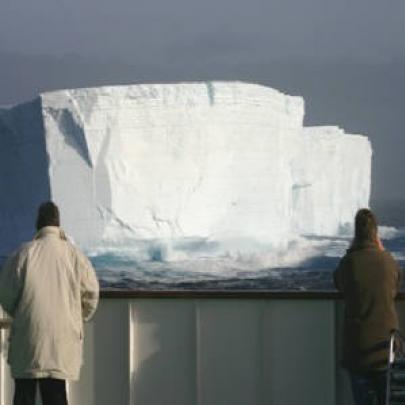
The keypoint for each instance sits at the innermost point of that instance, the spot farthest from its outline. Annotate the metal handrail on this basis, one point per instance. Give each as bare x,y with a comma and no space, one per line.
391,358
396,347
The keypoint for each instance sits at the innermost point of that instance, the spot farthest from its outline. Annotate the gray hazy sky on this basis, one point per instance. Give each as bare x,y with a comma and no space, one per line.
347,58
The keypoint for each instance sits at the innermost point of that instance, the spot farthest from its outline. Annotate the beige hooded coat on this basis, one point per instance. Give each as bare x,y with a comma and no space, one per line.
49,288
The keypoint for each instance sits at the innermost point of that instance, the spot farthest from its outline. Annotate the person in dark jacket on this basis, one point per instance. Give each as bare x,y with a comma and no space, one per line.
369,278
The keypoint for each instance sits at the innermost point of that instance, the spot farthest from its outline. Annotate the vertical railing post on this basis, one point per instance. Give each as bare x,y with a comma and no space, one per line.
2,359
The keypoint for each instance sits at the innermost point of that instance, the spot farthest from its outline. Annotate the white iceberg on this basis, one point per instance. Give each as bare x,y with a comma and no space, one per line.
166,164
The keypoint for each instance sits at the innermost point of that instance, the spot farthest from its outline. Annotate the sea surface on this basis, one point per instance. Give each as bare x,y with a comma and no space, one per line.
307,265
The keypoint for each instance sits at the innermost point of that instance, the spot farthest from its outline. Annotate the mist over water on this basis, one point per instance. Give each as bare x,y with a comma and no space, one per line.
305,264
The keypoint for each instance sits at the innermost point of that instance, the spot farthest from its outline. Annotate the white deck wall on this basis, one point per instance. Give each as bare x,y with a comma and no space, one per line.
208,351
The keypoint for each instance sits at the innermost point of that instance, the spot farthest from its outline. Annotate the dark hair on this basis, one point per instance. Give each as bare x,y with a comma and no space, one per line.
48,215
365,227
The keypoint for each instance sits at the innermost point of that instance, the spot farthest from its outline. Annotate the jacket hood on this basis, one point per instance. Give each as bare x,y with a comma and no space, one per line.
50,230
362,246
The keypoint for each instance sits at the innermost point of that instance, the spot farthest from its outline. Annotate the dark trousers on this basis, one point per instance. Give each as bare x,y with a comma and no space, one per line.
367,386
53,391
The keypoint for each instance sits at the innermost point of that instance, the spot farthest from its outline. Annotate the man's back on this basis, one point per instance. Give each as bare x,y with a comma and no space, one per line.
55,290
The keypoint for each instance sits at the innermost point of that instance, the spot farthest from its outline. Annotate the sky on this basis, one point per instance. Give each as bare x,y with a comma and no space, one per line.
346,58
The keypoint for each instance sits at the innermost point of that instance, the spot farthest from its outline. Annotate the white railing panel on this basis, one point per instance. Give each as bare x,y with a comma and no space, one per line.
105,374
229,342
163,352
299,352
194,351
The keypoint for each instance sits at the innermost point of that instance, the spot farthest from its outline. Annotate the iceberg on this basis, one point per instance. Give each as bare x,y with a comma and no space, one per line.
177,165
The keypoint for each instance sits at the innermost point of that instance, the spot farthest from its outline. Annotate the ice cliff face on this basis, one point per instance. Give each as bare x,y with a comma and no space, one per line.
197,161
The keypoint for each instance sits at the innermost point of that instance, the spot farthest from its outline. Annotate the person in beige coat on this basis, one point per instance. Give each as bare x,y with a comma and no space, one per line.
49,287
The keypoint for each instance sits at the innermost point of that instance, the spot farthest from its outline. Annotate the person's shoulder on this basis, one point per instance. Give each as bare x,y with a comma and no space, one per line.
70,244
384,258
18,256
345,262
74,250
348,256
24,249
78,254
387,255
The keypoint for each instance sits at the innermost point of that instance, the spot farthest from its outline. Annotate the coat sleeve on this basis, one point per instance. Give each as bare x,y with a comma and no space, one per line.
396,271
399,276
89,288
398,281
10,283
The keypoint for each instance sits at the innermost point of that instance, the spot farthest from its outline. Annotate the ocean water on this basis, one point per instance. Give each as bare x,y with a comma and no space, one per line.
306,264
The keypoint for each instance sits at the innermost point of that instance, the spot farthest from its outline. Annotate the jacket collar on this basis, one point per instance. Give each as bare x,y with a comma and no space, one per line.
50,230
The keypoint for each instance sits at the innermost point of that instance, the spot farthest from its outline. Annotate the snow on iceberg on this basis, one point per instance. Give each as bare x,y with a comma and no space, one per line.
188,164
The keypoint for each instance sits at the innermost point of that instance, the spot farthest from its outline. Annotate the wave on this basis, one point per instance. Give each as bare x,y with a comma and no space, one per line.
305,262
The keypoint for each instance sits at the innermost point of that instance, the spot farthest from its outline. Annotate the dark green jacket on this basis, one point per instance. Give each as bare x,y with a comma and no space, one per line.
369,279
